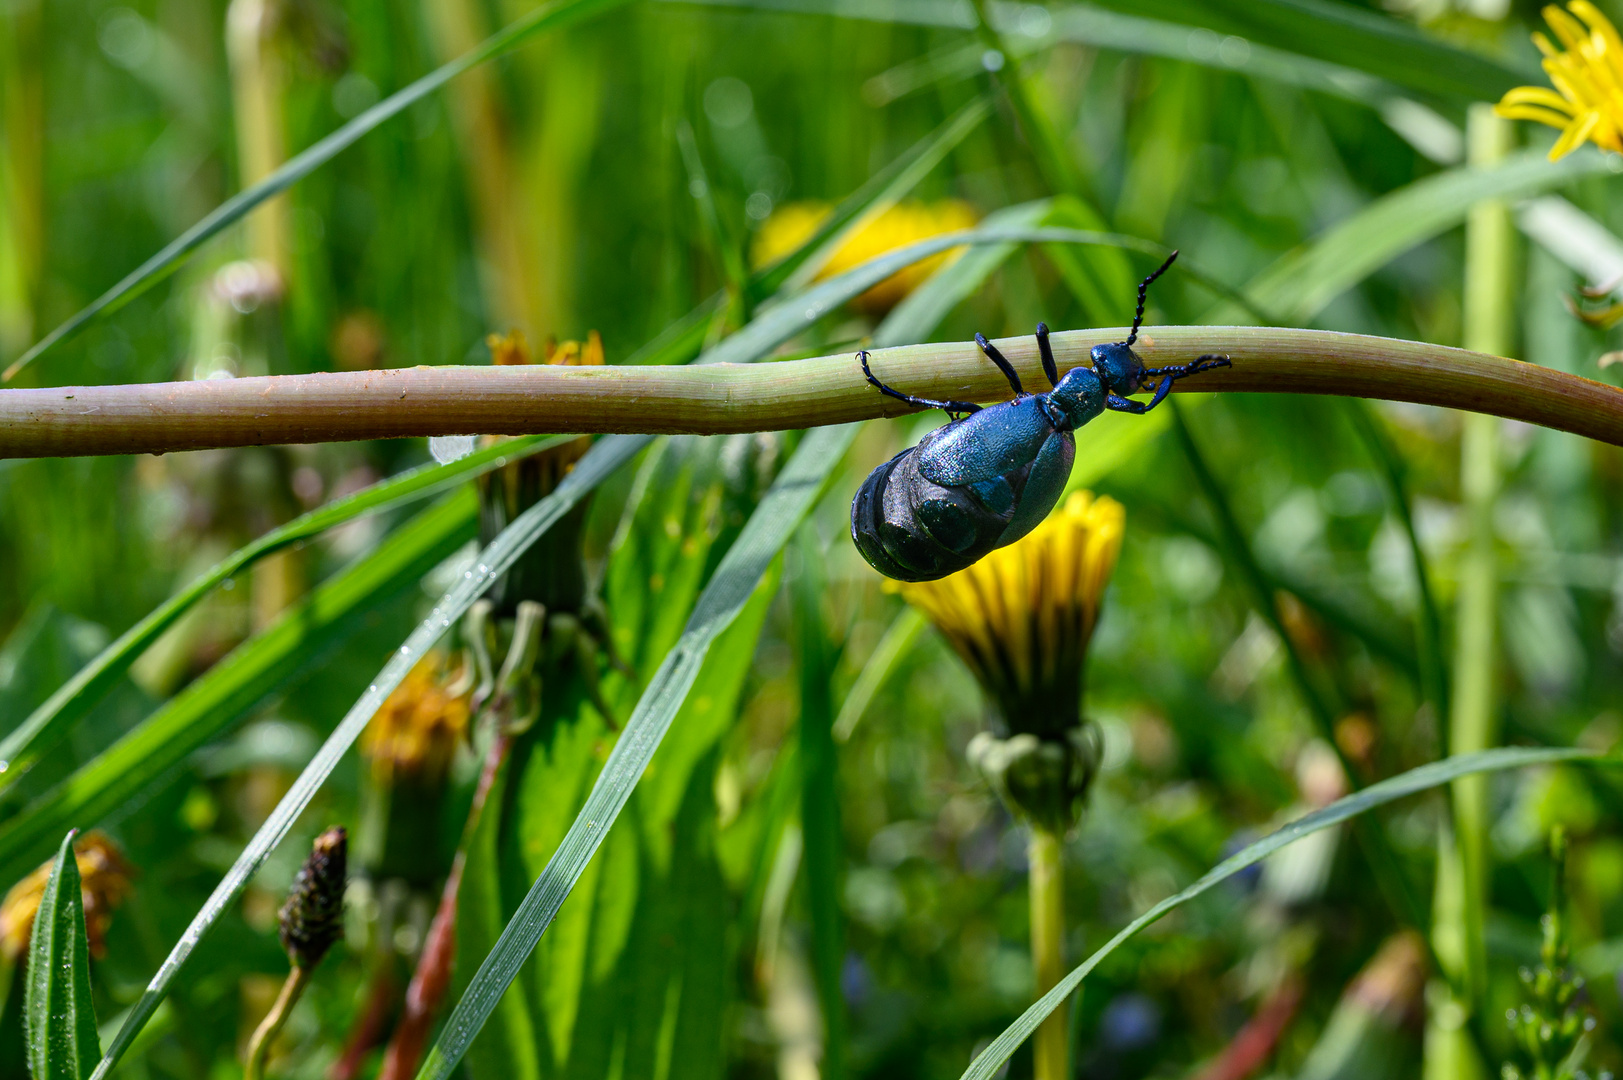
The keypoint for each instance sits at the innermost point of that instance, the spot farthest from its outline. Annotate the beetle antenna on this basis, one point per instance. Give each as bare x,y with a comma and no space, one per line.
1143,288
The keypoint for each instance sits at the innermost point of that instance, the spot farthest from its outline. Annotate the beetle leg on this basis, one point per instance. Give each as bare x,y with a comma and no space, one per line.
1194,367
949,407
1001,361
1127,405
1050,368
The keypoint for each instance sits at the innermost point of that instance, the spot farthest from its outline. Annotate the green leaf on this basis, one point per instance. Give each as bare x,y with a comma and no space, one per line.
1334,47
987,1063
738,575
881,192
1352,36
233,686
735,580
61,1022
1296,288
602,460
553,16
51,721
896,643
605,457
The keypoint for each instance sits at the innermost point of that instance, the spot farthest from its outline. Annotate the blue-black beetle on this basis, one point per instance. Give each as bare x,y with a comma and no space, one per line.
991,475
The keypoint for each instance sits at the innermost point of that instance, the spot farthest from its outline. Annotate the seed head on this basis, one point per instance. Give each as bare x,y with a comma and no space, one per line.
312,919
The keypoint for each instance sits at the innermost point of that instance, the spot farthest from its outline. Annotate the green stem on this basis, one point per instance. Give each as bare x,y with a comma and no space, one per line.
1372,837
723,398
1462,865
1047,887
271,1026
1428,620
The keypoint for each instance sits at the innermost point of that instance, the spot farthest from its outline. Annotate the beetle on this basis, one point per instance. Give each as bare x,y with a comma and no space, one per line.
989,476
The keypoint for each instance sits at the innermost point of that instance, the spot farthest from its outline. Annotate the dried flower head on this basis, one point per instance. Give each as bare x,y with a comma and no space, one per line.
1022,617
1587,73
105,883
551,572
905,223
415,734
312,919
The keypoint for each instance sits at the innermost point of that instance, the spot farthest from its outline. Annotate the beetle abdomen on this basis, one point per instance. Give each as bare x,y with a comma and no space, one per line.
913,529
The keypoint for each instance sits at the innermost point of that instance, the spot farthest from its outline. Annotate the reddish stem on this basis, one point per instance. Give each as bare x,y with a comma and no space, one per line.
433,975
1254,1043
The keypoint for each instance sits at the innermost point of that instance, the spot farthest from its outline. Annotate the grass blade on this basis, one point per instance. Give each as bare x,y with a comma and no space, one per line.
605,457
769,527
553,16
883,190
60,1019
50,722
1297,287
989,1061
1332,47
895,644
209,705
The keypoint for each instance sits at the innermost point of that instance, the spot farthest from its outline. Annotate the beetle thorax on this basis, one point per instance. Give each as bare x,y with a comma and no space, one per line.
1079,397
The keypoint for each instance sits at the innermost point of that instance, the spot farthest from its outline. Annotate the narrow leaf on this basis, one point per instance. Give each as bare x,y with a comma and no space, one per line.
769,527
600,462
45,726
1299,286
779,514
553,16
604,458
61,1022
208,706
989,1061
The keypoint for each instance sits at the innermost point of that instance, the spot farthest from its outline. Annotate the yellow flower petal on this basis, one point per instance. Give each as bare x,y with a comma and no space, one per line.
1574,136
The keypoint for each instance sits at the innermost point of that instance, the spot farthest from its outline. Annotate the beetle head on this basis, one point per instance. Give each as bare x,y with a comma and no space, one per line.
1079,397
1118,366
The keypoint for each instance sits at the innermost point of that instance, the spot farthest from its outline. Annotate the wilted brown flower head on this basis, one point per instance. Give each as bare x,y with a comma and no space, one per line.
550,573
312,919
415,734
105,883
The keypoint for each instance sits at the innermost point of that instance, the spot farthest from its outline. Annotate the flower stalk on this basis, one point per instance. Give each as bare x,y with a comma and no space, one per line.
312,921
724,398
1021,619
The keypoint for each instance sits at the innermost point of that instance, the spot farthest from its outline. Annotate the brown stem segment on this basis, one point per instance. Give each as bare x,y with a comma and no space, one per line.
433,975
722,398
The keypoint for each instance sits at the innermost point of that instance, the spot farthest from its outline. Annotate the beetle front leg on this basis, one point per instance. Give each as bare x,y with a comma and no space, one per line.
1194,367
1128,405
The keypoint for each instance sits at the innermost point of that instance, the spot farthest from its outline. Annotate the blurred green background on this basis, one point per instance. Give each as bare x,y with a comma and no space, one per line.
761,910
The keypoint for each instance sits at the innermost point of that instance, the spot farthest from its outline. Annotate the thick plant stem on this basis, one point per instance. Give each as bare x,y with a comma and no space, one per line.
715,399
1046,882
1462,857
271,1026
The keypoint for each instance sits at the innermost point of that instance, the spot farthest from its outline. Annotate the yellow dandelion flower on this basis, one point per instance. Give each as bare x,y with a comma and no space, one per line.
416,732
104,884
905,223
1022,617
1587,73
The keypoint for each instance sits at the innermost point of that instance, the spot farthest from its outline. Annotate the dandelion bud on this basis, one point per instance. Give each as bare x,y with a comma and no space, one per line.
313,917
